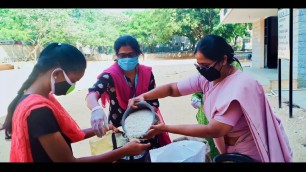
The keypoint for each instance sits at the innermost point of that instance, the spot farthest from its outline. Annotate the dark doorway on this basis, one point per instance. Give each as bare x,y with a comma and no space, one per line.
271,42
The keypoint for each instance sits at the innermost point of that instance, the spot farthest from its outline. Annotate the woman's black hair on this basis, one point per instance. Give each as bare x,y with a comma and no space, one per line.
65,56
127,40
214,47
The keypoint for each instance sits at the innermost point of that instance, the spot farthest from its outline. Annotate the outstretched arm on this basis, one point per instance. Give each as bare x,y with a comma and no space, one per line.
218,126
159,92
89,132
152,85
213,130
58,150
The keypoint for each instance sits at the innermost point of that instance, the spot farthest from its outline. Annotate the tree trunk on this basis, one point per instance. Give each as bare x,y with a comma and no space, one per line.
151,49
34,51
193,44
235,40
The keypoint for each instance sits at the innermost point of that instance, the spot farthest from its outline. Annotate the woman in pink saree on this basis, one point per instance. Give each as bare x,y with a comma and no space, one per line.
240,117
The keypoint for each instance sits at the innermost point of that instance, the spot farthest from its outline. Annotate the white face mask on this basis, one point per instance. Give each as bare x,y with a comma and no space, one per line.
61,88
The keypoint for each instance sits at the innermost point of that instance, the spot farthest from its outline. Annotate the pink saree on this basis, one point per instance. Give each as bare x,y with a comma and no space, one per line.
266,128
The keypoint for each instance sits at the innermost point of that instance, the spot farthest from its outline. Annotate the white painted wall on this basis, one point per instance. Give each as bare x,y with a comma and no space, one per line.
258,43
285,63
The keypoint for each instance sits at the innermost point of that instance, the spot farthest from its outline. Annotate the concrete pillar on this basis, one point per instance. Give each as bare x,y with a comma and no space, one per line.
258,43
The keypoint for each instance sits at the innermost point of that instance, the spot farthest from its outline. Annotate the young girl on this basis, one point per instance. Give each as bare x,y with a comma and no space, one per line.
40,129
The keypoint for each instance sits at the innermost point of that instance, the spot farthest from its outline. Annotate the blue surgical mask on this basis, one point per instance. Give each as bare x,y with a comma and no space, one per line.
128,64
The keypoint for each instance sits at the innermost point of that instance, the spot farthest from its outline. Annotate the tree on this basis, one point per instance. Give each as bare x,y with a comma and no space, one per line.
196,23
164,25
41,26
231,32
140,24
94,27
11,26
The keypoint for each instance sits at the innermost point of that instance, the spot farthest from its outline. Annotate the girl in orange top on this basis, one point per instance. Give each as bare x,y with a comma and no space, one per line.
40,129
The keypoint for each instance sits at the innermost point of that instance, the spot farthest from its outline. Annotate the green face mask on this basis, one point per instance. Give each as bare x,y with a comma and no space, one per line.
62,88
72,87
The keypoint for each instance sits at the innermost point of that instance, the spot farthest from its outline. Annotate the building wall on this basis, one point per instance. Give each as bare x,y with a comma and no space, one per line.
296,38
12,53
258,43
285,62
301,47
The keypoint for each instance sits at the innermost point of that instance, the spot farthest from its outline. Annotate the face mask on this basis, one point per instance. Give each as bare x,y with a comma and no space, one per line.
210,73
61,88
128,64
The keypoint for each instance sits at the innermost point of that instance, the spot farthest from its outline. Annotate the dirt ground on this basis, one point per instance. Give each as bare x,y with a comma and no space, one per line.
175,111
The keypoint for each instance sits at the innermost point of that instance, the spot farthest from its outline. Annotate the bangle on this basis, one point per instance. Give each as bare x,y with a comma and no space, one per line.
96,108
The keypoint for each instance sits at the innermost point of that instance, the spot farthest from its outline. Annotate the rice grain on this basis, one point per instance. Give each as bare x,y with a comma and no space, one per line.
137,123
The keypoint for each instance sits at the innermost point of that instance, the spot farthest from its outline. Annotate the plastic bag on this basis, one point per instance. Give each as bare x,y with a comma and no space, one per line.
181,151
108,142
203,140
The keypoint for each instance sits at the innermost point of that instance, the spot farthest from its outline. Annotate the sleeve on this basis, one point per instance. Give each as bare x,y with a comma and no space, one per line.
104,81
193,84
152,85
41,121
232,114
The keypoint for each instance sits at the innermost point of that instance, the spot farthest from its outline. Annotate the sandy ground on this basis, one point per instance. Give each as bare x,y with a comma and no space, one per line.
174,110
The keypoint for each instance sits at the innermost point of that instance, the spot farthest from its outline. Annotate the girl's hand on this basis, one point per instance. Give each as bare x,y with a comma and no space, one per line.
134,147
111,127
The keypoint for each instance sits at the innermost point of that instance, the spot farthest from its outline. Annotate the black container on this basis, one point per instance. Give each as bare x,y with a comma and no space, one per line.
145,156
140,105
232,158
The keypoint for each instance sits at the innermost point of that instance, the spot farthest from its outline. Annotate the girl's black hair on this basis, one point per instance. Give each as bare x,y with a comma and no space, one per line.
214,47
65,56
127,40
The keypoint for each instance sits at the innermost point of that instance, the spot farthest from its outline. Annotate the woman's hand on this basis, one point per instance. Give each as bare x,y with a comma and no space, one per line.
155,130
160,127
151,133
134,147
111,127
134,100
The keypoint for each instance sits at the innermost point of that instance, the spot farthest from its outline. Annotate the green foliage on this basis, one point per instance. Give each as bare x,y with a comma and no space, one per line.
41,26
11,27
237,47
196,23
141,25
231,31
94,27
164,25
